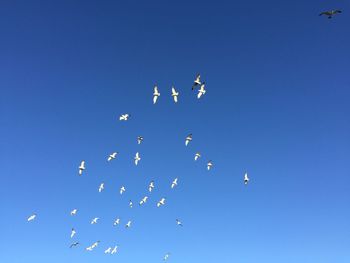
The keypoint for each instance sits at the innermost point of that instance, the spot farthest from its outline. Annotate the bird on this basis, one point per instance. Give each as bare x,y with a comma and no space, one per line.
166,257
174,94
330,13
197,156
178,222
246,179
81,167
130,203
197,81
90,248
137,158
161,202
114,250
94,221
74,244
112,156
116,221
124,117
143,200
139,139
151,186
122,190
174,183
188,139
101,188
73,212
128,224
108,250
31,218
209,165
73,232
156,94
201,91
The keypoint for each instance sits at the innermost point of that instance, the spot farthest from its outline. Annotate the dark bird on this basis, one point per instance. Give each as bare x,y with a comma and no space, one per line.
330,13
74,244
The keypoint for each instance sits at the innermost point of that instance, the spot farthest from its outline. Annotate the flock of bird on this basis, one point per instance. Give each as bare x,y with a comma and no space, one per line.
200,86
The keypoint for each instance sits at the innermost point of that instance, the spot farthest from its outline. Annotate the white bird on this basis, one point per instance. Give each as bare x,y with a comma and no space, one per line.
246,179
90,248
197,156
174,183
112,156
209,165
161,202
128,224
124,117
130,203
122,190
72,233
166,257
156,94
201,91
94,221
73,212
174,94
139,139
116,222
101,187
137,158
108,250
188,139
81,167
197,81
143,200
31,218
151,186
114,250
178,222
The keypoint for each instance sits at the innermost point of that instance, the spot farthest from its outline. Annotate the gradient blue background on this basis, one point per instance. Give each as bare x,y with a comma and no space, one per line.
277,106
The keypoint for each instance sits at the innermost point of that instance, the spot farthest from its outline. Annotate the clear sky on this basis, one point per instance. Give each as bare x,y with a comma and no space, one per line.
277,106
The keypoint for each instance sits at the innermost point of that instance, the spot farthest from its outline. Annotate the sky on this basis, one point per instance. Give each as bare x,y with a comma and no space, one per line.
277,106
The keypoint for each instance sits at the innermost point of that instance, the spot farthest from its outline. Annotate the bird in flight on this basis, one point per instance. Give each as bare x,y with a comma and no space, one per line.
330,13
31,218
122,190
166,257
90,248
201,91
174,94
72,233
151,186
178,222
124,117
209,165
143,200
81,167
114,250
112,156
137,158
101,187
130,203
197,156
94,221
139,139
108,250
246,179
116,222
161,202
188,139
197,81
128,224
174,183
156,94
74,244
73,212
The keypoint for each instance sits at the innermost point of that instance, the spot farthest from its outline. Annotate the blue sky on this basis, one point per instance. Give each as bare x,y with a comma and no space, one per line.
277,106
